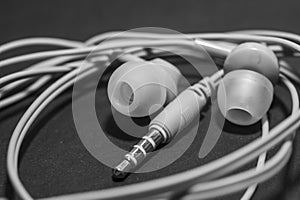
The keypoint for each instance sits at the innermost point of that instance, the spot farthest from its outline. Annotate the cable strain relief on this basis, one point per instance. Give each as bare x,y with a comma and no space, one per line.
204,88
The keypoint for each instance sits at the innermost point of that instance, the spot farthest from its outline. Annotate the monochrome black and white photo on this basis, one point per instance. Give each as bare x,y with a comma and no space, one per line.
156,100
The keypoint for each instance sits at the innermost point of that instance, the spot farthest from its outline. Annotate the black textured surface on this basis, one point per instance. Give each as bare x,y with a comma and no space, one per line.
55,162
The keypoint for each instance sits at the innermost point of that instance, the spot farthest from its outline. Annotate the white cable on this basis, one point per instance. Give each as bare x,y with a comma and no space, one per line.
19,96
203,174
260,163
31,73
210,47
51,62
233,36
235,160
235,183
231,184
39,83
36,85
39,41
286,35
53,90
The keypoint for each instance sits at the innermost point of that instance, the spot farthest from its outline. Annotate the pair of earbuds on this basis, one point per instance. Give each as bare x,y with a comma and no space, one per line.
243,89
244,94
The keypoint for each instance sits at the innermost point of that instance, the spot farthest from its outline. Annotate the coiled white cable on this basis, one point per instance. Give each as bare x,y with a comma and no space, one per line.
201,182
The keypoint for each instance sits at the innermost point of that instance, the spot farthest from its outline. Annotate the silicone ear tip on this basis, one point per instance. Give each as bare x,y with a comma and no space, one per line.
253,56
138,85
244,96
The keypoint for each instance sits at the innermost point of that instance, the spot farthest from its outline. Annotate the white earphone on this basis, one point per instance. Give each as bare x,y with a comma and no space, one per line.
252,64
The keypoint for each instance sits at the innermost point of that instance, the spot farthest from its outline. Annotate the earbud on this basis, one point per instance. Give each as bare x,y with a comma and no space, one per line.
140,88
246,92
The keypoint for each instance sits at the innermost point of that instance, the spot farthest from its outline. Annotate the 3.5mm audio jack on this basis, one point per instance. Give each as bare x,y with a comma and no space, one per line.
139,152
175,117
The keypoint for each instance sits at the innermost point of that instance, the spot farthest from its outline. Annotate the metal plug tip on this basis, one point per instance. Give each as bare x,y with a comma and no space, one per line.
121,171
119,175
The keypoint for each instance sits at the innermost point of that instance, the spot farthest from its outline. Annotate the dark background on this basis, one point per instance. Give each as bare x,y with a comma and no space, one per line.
55,162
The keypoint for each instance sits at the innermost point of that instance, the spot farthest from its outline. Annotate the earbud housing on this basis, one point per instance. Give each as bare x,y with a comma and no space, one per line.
140,88
244,96
246,91
255,57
